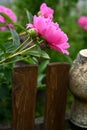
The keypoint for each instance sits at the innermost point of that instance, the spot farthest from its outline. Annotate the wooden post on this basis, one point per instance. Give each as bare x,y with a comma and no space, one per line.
24,96
57,82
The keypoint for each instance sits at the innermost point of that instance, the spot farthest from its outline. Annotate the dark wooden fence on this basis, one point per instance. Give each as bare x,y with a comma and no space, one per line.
24,98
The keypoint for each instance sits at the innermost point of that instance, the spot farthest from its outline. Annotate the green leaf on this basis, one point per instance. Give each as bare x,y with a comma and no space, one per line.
19,26
42,66
44,55
4,35
37,52
29,16
40,78
16,39
2,48
31,60
3,92
8,19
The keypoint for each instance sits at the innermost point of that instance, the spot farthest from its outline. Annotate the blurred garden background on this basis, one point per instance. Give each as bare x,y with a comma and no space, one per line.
67,13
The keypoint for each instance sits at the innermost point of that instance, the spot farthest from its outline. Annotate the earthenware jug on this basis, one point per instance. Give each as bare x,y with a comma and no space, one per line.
78,88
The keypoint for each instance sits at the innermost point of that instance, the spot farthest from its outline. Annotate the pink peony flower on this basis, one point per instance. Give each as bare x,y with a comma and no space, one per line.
46,11
51,31
8,12
82,22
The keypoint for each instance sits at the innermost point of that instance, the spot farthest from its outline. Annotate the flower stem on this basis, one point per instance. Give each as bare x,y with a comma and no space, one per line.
21,45
16,54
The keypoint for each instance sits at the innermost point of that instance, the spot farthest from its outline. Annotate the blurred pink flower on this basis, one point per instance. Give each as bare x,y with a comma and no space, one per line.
46,11
51,32
78,9
82,22
8,12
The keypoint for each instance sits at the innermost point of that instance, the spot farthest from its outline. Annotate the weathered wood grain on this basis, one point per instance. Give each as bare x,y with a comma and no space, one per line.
57,82
24,96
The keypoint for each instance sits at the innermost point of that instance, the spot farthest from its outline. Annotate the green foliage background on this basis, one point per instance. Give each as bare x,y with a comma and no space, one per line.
66,14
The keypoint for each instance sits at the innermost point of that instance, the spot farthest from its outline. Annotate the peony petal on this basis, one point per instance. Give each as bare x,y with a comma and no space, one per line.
46,11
